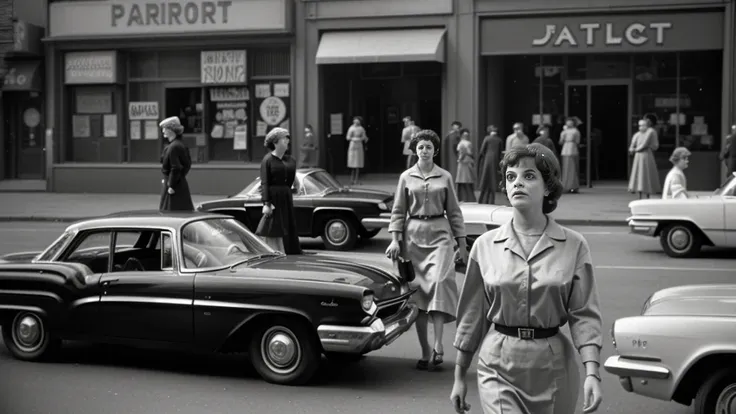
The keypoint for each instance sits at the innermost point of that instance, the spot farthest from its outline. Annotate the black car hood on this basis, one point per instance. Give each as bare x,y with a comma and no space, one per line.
331,269
362,194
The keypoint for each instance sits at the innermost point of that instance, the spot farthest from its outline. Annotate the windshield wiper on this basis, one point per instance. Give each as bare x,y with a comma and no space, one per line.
256,257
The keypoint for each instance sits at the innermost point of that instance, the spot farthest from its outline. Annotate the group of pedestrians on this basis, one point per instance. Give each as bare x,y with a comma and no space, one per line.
503,309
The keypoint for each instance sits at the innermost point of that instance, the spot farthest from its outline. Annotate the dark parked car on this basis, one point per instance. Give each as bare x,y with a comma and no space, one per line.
199,281
324,208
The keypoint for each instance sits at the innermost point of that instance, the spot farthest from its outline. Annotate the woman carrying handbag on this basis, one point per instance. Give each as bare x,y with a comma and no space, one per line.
428,216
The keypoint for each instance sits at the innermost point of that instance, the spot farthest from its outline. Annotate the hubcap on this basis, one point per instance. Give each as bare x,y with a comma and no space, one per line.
28,332
280,350
680,239
337,231
726,403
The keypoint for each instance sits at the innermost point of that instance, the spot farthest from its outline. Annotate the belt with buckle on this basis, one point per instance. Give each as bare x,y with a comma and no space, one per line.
428,217
527,333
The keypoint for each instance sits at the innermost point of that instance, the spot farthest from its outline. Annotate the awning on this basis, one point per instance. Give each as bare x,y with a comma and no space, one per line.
410,45
23,76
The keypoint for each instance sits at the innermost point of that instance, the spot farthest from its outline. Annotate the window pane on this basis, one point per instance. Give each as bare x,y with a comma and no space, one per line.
89,140
144,148
167,261
179,64
227,118
186,103
143,65
700,97
521,93
93,251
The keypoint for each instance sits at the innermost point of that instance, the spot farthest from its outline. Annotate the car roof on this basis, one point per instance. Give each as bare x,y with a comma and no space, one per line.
144,218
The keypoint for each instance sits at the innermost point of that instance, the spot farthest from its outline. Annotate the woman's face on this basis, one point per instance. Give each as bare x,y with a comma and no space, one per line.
544,132
569,123
525,185
518,130
168,133
425,150
683,162
356,122
466,135
307,131
643,125
283,143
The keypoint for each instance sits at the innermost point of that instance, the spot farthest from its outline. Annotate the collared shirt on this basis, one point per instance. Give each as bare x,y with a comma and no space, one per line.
513,141
432,195
553,286
675,184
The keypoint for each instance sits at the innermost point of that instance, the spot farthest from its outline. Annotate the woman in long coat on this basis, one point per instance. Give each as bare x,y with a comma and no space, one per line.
570,140
356,149
426,195
488,158
465,178
278,172
175,165
528,278
644,175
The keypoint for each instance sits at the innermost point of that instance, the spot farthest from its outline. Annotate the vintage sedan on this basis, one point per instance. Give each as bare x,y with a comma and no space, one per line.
323,207
198,281
685,225
681,348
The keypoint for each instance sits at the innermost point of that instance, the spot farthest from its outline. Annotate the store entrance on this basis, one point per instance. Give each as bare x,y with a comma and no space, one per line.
604,108
24,156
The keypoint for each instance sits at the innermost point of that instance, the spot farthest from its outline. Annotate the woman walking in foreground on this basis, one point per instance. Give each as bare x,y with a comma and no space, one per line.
528,278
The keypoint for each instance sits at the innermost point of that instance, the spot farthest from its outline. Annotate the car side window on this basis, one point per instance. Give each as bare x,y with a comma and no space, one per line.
167,255
92,250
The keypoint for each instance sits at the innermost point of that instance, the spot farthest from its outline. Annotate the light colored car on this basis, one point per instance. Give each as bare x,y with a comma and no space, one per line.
681,348
479,218
685,225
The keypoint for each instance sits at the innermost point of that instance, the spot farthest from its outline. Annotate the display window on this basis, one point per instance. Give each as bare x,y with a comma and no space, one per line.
94,133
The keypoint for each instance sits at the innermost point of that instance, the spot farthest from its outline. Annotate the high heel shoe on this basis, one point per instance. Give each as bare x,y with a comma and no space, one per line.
435,360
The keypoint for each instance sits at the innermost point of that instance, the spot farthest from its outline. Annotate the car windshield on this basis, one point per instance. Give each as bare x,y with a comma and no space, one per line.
729,187
319,182
219,243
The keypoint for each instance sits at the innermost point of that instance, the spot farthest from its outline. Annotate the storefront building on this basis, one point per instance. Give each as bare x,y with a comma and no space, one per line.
223,67
670,60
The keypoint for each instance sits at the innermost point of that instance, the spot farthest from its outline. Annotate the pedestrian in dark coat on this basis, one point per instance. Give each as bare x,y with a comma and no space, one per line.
448,152
544,139
278,172
728,155
175,165
488,158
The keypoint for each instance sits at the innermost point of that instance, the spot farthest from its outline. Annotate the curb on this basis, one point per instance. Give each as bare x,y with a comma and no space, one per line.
45,219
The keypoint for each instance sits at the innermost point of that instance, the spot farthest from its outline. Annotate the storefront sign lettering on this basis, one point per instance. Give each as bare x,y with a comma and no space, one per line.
90,67
228,94
15,78
223,66
273,110
170,13
143,110
635,34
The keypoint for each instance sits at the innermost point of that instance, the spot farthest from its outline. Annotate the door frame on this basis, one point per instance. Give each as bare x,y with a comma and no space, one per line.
589,83
188,85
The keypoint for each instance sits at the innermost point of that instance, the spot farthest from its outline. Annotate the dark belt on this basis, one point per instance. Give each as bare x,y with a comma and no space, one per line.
427,217
527,333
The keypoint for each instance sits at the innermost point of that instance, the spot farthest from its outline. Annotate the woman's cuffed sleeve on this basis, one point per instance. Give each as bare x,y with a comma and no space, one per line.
472,308
265,181
586,326
401,204
453,211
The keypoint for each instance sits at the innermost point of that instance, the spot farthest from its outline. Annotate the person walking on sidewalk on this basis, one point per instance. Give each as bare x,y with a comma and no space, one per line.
465,177
570,141
675,184
528,278
356,149
278,172
518,138
644,175
175,165
488,158
425,193
409,130
544,139
448,152
309,148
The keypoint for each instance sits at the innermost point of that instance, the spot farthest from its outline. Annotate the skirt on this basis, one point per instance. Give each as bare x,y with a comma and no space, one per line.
644,174
431,249
356,155
570,173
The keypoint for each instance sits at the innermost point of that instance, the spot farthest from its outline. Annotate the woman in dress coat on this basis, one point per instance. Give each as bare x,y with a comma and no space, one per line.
528,278
488,158
309,148
544,139
175,165
675,184
465,178
426,212
644,175
278,172
570,141
356,152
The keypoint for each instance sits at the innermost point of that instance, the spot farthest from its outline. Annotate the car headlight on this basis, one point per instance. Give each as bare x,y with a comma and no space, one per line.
368,302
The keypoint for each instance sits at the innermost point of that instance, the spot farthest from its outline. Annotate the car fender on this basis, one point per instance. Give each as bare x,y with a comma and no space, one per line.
325,211
239,336
686,384
663,220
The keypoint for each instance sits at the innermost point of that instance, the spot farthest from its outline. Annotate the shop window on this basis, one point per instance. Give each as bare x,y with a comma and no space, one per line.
271,62
186,103
271,109
179,64
551,71
228,113
521,93
143,65
655,96
93,125
144,142
700,97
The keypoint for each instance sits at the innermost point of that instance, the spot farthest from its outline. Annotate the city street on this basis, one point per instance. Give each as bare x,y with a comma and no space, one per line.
105,379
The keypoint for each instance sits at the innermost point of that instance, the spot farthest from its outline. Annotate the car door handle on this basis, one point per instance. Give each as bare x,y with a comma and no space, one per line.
110,282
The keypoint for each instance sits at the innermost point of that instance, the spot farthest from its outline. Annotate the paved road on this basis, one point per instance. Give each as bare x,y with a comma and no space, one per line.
96,379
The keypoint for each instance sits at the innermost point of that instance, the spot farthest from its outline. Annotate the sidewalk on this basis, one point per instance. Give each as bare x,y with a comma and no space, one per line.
605,205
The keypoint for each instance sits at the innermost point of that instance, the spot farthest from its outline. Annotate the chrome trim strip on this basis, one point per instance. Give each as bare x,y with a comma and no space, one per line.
90,299
623,367
228,208
334,208
204,303
372,223
145,299
31,293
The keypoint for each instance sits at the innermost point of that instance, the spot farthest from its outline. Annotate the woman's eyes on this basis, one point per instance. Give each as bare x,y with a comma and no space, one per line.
528,176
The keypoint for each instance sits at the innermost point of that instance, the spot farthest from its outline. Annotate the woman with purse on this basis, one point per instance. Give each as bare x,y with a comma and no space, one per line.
426,212
278,172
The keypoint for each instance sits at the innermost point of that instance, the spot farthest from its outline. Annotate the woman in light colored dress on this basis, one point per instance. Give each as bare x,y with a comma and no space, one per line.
675,184
465,178
356,152
309,148
528,278
644,175
426,212
570,141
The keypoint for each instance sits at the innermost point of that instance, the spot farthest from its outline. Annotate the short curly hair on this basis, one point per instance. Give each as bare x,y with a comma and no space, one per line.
425,135
547,164
273,136
678,154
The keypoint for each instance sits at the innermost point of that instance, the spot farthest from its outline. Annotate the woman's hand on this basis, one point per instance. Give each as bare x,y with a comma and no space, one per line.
171,190
267,210
457,396
393,250
592,394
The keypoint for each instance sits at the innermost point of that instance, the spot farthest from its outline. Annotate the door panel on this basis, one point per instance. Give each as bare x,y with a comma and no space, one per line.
609,130
30,139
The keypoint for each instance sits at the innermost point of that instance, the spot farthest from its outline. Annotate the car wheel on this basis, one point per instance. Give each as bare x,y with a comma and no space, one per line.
284,352
369,234
339,233
680,240
717,394
28,338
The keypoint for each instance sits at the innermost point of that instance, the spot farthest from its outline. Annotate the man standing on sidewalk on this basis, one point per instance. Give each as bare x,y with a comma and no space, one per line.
449,148
409,130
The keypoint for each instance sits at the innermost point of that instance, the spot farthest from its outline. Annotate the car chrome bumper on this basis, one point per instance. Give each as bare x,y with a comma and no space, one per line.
625,369
372,223
364,339
643,227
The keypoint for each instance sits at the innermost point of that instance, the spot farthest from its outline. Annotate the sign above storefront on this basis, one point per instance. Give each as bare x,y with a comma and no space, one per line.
138,17
613,33
223,67
143,110
90,67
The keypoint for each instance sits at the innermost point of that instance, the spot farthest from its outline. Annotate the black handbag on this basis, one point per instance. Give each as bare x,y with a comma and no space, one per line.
406,269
